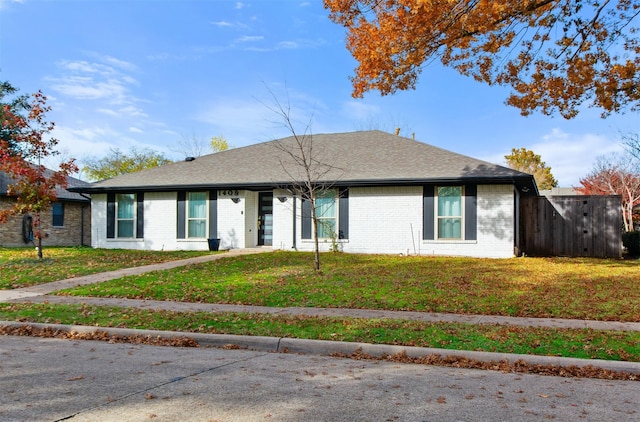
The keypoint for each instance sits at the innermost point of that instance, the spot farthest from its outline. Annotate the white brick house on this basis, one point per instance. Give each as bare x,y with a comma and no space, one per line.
387,194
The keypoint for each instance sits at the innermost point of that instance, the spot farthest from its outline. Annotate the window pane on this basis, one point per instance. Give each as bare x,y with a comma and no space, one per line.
57,212
126,205
450,201
197,214
126,214
450,228
197,205
197,228
326,205
125,228
326,228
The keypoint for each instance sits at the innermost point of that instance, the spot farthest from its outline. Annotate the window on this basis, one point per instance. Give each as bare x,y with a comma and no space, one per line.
449,212
125,215
197,214
335,215
57,212
326,214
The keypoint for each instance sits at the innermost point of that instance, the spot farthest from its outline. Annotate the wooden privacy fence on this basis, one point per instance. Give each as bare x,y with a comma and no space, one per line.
581,225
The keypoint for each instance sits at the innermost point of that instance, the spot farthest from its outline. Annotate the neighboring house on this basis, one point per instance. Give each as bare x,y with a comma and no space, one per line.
66,223
389,194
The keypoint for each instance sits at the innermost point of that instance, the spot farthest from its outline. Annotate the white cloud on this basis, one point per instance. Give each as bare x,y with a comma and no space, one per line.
132,111
359,111
135,130
221,23
85,80
288,45
245,122
119,63
6,3
248,38
241,123
569,155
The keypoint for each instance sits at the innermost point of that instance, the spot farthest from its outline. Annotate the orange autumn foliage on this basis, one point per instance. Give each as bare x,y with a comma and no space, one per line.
555,54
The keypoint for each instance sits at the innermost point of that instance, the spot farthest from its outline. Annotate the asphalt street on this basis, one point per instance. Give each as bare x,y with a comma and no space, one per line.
51,380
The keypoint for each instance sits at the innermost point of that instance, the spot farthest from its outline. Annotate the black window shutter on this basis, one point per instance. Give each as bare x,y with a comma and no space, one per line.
306,219
111,215
470,212
343,214
428,217
213,214
182,216
140,215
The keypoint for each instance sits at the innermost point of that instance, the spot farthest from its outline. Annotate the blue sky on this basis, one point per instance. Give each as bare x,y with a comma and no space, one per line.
150,74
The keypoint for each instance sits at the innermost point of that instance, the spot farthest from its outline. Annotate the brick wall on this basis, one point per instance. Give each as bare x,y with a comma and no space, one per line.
70,234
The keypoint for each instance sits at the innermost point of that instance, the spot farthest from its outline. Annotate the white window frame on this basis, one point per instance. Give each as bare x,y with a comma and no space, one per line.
438,217
320,218
133,219
190,219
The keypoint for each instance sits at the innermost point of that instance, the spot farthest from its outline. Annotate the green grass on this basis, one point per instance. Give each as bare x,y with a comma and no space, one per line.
20,267
524,287
584,343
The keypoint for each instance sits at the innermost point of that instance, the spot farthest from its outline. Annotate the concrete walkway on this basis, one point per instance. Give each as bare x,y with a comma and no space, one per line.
41,294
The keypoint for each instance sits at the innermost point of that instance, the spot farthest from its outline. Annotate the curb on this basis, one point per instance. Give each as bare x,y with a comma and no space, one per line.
328,348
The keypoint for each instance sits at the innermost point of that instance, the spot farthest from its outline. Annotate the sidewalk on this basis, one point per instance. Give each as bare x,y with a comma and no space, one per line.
40,294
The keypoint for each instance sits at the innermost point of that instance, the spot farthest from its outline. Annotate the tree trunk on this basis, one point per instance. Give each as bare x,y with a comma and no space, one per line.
314,221
39,232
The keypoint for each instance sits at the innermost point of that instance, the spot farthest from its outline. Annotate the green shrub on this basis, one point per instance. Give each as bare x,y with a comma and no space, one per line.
631,241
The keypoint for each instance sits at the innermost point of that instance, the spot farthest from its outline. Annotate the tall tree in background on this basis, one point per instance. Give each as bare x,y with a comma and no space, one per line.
116,163
615,174
554,54
219,143
527,161
21,154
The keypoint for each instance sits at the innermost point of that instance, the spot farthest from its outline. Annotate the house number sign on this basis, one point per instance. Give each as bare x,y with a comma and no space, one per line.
229,193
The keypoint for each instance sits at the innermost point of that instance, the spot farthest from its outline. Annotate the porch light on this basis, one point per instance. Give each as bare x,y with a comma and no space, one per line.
282,198
235,200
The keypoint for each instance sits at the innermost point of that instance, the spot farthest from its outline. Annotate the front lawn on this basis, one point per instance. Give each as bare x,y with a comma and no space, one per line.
20,267
526,287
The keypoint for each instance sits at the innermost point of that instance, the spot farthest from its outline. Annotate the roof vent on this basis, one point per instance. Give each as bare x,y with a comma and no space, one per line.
190,159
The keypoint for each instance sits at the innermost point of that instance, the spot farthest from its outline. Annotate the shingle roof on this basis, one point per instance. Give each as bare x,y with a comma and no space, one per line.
63,194
356,159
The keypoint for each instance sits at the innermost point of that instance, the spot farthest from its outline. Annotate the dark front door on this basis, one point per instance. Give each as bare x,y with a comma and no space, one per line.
265,219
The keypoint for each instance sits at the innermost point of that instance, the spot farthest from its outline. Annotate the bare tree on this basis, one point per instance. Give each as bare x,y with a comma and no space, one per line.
306,164
196,147
631,141
615,174
191,146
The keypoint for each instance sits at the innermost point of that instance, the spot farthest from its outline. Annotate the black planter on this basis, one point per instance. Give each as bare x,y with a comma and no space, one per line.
214,244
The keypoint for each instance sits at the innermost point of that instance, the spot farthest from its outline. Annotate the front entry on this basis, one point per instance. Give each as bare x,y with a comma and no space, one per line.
265,219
